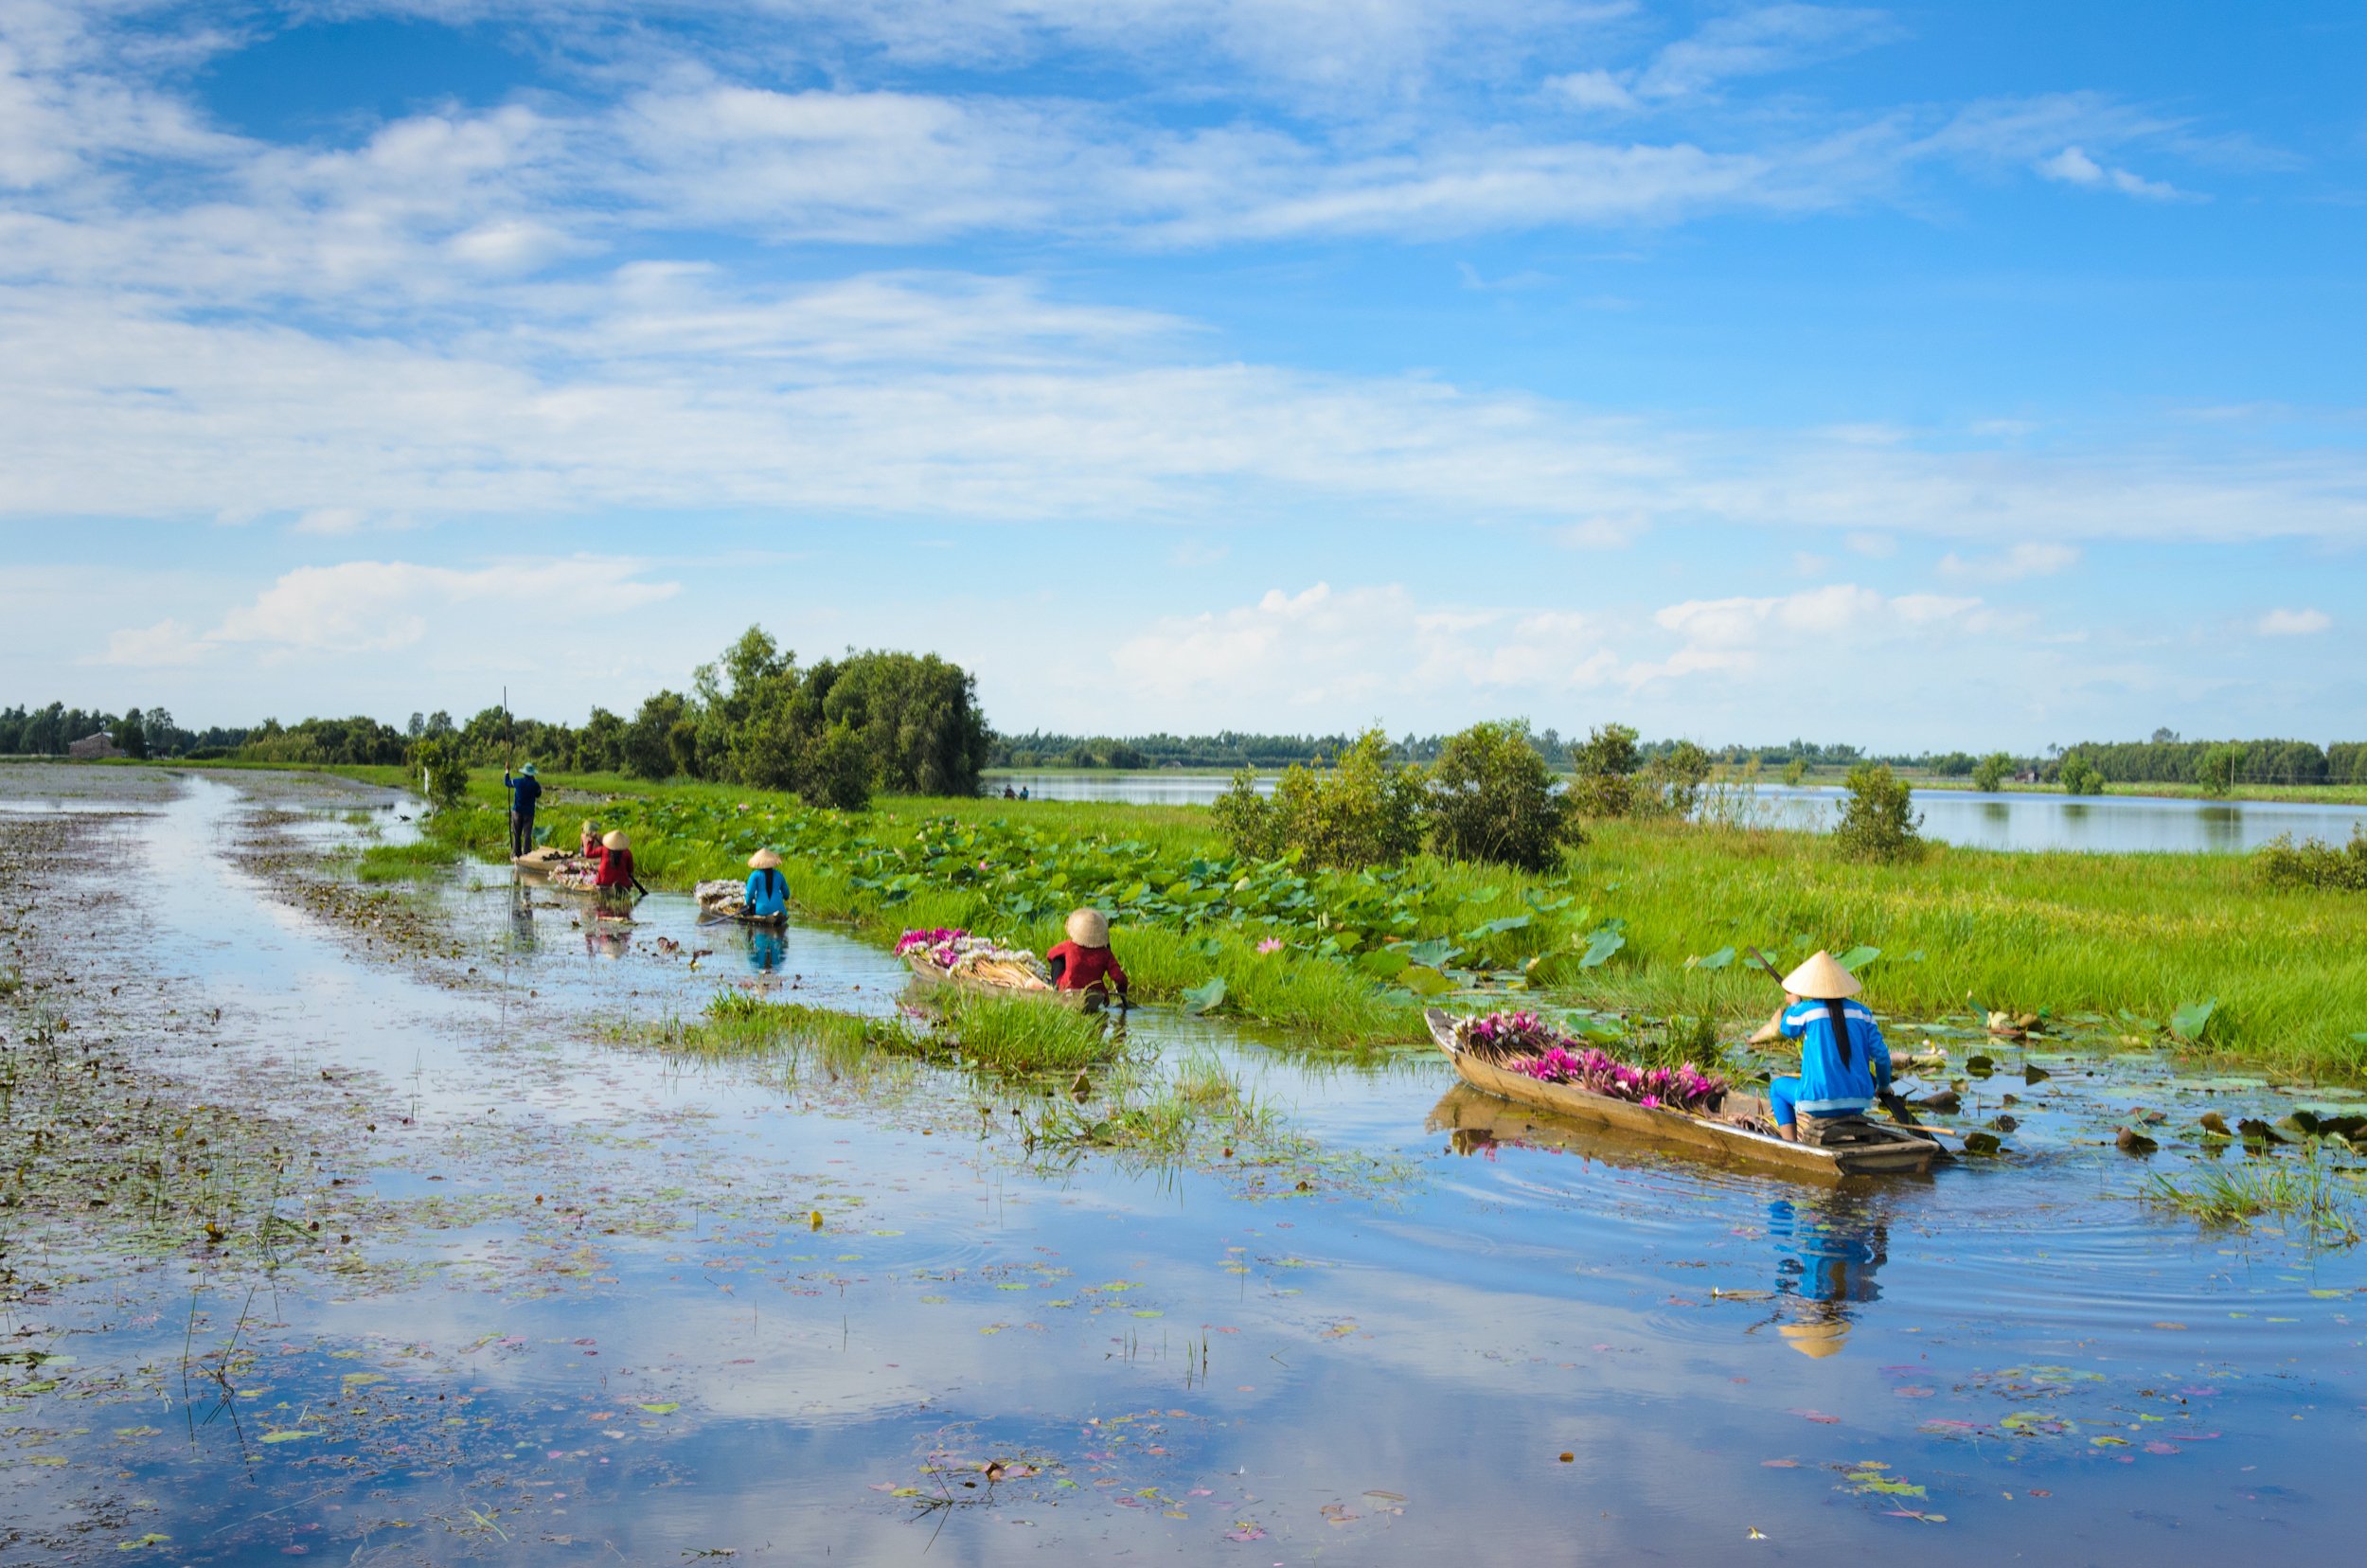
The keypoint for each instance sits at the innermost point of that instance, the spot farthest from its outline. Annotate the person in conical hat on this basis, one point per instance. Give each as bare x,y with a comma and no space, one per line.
616,864
768,890
1843,1063
1084,962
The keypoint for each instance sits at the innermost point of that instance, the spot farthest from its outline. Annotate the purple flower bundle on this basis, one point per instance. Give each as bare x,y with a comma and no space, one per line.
942,944
1520,1042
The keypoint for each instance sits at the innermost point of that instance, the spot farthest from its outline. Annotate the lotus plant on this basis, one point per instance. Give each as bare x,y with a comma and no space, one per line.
1521,1043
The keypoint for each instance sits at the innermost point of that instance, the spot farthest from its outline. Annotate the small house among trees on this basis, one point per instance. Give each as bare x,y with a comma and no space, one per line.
93,748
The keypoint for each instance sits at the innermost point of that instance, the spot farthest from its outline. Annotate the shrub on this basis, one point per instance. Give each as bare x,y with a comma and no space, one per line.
441,774
834,769
2218,769
1673,780
1364,810
1606,762
1492,798
2080,776
1796,772
1878,820
1990,772
2314,863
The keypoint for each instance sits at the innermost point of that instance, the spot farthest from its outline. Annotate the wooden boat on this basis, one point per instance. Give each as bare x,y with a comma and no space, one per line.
927,977
544,860
1877,1148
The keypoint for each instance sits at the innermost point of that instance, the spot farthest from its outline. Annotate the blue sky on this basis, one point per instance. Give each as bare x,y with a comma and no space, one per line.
1917,374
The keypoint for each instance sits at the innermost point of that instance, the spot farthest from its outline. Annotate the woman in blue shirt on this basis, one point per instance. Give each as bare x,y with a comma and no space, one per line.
768,890
1843,1063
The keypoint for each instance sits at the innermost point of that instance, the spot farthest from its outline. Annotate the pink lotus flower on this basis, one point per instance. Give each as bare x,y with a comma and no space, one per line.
1272,944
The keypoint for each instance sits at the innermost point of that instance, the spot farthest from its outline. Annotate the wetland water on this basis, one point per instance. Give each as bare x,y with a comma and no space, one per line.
580,1309
2106,823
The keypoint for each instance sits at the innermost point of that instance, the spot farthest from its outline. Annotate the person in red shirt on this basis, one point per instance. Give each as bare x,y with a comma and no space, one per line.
1084,962
616,872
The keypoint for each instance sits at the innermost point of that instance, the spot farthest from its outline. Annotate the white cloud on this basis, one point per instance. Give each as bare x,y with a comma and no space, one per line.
1756,42
380,606
2028,559
168,642
2293,623
2075,167
1593,90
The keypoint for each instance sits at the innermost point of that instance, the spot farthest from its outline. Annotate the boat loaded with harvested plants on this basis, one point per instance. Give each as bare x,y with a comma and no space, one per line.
955,960
1678,1108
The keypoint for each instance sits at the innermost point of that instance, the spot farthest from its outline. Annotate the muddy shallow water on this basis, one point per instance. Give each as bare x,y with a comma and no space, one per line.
585,1311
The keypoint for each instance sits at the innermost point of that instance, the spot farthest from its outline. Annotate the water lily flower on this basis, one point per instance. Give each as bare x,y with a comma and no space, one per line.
1272,944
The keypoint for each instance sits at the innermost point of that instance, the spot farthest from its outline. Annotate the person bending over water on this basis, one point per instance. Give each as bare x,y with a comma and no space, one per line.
1084,962
1843,1063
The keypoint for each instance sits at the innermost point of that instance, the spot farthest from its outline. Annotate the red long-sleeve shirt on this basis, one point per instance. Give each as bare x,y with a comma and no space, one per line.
1083,968
615,868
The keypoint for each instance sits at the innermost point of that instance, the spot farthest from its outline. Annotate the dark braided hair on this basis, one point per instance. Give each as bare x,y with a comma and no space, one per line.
1840,1017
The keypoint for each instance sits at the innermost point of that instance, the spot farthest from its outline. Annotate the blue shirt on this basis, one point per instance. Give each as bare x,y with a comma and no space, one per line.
524,791
768,892
1828,1086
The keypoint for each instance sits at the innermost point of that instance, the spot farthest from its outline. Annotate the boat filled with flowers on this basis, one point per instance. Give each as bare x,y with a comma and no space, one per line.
1522,1057
950,957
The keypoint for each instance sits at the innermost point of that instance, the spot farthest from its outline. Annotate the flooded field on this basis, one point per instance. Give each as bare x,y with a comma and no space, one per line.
368,1224
2115,824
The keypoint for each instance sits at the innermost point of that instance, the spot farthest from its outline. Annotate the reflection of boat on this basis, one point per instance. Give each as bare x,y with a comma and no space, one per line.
1874,1149
928,975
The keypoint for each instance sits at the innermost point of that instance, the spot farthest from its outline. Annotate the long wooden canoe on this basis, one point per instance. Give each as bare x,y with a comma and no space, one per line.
929,976
1885,1150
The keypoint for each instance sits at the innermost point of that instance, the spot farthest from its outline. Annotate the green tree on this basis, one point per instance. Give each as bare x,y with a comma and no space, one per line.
1796,772
2219,767
648,740
1492,798
836,771
1606,762
1991,770
130,734
2079,776
1877,816
1676,777
442,774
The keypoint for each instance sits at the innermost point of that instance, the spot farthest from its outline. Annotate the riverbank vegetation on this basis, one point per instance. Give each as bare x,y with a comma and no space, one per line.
1646,914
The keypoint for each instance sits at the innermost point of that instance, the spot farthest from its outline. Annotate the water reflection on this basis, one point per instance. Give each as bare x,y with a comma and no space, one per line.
767,950
607,941
1826,1251
521,938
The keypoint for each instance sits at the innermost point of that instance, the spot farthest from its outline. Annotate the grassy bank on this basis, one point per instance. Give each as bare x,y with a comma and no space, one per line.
1622,924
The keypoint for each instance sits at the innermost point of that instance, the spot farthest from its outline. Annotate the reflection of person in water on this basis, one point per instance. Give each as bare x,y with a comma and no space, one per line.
606,944
521,916
765,950
1826,1255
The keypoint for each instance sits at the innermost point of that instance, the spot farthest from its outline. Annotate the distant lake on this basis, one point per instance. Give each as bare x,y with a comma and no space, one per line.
2106,823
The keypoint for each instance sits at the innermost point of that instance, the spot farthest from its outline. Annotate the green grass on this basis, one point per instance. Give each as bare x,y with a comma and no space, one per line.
426,859
2070,934
2308,1191
1015,1037
1024,1036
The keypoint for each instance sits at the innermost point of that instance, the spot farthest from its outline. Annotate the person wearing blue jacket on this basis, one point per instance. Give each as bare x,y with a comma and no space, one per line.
1845,1067
524,791
768,890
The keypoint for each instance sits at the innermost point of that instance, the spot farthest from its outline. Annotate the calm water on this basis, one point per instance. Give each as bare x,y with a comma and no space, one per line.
601,1325
2109,823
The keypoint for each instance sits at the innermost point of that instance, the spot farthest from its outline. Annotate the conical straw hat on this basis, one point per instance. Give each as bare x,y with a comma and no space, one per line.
1089,927
763,860
616,839
1821,979
1817,1340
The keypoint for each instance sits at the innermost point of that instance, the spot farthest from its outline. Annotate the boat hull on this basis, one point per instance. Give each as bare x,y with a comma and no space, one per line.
928,978
1894,1152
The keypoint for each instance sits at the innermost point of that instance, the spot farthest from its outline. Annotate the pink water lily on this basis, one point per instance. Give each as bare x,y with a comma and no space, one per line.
1272,944
1521,1043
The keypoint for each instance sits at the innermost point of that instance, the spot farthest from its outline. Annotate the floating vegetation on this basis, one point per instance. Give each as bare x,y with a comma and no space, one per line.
2310,1190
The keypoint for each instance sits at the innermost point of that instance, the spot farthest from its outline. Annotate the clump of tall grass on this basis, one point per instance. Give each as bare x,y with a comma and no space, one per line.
2308,1191
1022,1035
418,862
1193,1109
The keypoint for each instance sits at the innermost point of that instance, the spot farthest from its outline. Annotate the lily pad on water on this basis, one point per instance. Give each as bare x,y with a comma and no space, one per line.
2190,1020
1434,953
1422,980
1385,963
1205,998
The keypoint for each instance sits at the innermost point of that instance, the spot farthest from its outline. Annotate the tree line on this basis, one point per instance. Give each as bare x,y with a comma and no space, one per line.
136,732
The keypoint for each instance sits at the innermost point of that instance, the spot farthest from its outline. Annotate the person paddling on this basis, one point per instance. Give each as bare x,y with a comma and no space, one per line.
1845,1067
616,865
526,790
768,890
1084,962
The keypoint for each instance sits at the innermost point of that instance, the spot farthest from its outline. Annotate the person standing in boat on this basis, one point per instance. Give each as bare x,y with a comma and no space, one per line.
526,790
768,890
1085,962
1843,1063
